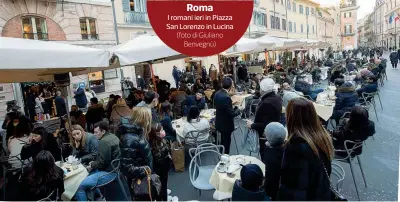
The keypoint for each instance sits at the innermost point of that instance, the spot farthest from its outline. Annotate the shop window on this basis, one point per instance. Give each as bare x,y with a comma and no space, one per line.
88,29
1,88
110,74
2,98
96,82
34,27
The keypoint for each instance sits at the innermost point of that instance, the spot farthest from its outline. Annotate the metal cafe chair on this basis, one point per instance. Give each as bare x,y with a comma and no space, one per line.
348,156
369,101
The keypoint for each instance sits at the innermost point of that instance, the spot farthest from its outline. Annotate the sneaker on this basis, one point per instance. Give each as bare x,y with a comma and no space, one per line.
169,191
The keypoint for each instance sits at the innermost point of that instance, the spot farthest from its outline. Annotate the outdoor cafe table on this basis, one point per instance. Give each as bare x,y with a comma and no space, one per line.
72,180
221,182
179,123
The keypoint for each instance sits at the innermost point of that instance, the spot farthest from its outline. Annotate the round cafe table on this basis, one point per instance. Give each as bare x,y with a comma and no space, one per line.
221,182
72,180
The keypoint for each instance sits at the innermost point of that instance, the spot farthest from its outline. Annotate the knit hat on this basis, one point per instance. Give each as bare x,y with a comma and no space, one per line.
275,133
267,85
251,176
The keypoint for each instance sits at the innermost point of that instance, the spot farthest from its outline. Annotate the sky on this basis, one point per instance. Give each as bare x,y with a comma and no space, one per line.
366,6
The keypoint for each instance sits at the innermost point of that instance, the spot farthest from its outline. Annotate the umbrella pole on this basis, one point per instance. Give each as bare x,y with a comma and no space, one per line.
153,77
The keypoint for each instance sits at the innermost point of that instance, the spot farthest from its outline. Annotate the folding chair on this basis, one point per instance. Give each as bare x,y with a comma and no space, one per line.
348,158
253,105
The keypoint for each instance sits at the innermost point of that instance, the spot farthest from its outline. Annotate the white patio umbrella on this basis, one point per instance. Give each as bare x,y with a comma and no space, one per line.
25,60
144,48
281,43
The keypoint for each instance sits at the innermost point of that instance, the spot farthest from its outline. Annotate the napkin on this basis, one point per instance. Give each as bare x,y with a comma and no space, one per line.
73,160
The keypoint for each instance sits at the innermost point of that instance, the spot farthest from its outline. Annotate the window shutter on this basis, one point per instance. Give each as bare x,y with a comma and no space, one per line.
125,5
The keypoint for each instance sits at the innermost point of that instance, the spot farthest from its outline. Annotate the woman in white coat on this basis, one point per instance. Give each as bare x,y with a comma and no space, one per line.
196,129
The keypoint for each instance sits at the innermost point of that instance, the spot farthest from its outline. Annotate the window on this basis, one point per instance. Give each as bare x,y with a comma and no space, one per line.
313,29
301,9
301,28
312,11
282,2
290,27
349,14
3,97
294,7
345,15
34,28
278,23
1,88
294,27
88,28
308,28
307,11
272,22
132,5
277,1
347,29
110,74
284,24
288,5
259,19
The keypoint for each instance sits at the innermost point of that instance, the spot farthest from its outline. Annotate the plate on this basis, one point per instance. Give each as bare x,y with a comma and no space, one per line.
240,160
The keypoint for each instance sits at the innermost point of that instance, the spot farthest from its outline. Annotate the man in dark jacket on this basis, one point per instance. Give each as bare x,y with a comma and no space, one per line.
346,99
108,151
80,98
305,88
163,88
94,114
242,73
177,76
225,113
370,87
268,110
195,100
60,105
394,59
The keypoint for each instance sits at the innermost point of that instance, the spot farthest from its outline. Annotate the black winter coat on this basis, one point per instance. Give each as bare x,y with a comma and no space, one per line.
303,177
394,57
346,99
273,161
268,110
225,113
135,151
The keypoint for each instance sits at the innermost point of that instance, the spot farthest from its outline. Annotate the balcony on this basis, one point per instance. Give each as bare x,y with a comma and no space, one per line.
349,34
36,36
137,18
90,37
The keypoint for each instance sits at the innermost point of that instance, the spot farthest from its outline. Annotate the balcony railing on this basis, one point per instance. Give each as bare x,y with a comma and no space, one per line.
90,37
37,36
137,18
349,34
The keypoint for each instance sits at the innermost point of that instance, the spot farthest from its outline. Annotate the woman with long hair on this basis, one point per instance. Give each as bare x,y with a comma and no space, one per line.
19,138
306,163
135,148
166,121
357,129
40,140
42,179
84,145
161,152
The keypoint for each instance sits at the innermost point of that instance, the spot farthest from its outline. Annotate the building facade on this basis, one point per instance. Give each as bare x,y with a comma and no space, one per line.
348,23
391,34
77,22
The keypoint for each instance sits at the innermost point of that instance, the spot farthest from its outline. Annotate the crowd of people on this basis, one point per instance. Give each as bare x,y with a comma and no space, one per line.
137,131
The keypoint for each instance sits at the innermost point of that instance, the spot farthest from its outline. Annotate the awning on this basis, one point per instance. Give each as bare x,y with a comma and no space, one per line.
25,60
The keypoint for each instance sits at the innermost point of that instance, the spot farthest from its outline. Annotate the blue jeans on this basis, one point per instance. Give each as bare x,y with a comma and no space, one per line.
314,93
99,177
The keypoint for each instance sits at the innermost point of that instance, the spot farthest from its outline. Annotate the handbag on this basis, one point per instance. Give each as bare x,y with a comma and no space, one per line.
147,188
335,195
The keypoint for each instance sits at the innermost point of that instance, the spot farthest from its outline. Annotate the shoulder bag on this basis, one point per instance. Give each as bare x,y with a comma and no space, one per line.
147,188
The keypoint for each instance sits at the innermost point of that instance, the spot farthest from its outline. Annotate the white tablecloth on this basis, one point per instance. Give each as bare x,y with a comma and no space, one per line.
223,183
324,111
179,123
72,181
240,101
324,73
